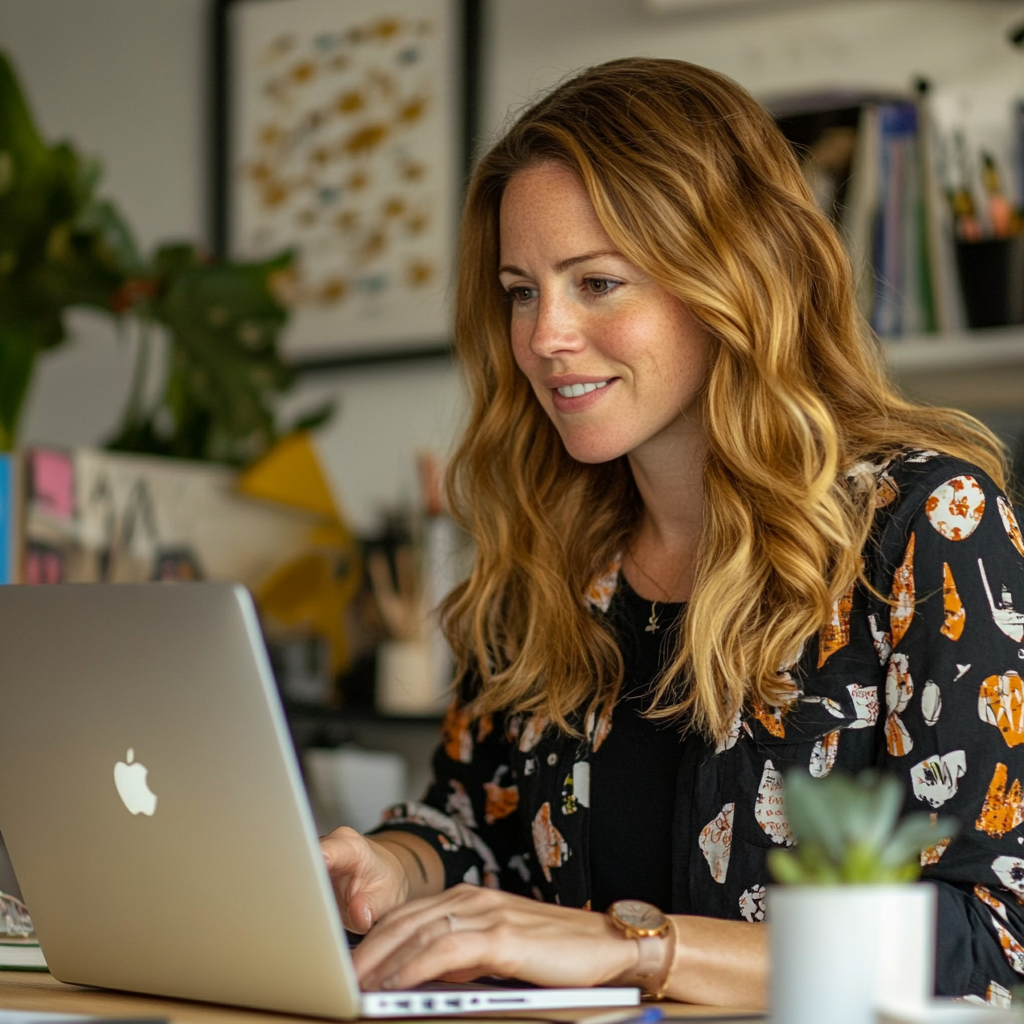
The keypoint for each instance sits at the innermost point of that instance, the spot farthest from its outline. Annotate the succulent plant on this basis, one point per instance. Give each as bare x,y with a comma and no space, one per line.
848,832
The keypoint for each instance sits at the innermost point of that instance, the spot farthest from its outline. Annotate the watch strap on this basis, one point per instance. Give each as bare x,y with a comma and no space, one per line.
651,960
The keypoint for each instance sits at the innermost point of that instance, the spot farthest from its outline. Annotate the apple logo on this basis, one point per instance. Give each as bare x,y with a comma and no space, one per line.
132,787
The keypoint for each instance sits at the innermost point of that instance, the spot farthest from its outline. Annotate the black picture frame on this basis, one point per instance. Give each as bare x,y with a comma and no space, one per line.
223,60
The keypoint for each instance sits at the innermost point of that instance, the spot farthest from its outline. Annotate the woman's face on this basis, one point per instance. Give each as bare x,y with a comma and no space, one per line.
614,359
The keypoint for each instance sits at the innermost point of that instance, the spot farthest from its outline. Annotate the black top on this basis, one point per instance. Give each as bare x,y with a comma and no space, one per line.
919,674
633,774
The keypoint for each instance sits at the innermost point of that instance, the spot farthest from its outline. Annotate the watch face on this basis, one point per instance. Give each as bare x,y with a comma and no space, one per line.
638,914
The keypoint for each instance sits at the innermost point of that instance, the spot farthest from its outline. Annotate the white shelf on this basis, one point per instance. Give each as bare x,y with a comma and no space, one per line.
971,350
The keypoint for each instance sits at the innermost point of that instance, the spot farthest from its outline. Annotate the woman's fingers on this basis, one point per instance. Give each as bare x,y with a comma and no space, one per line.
367,879
469,931
437,952
414,922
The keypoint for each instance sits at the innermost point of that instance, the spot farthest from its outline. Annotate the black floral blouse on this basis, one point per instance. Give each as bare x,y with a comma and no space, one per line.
929,688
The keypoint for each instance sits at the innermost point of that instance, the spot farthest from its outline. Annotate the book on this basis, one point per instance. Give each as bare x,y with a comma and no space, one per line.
9,518
947,303
21,955
861,213
896,307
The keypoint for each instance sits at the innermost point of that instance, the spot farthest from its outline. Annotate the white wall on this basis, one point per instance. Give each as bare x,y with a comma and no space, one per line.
798,46
126,79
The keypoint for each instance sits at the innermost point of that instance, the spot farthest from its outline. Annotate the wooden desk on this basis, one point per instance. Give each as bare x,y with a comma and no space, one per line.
26,990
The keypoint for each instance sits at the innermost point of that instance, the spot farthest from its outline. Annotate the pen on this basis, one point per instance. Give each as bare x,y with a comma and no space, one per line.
646,1016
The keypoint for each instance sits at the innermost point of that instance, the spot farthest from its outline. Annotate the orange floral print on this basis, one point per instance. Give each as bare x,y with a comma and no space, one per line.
456,735
990,901
1010,523
903,594
885,493
771,720
933,854
956,614
823,756
1001,703
501,800
601,590
955,508
768,807
1002,811
597,729
899,688
1012,949
532,732
552,849
836,634
998,996
715,842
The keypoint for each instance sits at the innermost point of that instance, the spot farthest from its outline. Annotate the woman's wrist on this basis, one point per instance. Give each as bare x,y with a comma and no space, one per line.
650,962
717,962
412,863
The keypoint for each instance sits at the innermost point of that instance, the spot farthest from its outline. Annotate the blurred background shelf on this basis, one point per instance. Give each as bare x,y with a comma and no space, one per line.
356,717
980,370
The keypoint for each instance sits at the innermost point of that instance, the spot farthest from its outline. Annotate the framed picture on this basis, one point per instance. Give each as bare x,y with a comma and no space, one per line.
343,130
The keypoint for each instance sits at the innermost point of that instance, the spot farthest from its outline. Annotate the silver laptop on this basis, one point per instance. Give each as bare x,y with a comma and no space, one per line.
155,813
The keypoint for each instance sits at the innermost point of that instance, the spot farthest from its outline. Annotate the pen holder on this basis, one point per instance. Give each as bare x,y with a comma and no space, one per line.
992,280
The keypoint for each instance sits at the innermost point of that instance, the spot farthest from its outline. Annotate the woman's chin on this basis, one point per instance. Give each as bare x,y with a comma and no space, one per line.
592,454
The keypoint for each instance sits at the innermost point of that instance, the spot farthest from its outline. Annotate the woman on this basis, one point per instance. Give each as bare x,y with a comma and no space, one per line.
710,538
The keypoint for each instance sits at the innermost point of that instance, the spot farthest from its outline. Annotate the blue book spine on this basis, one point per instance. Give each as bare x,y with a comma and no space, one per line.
898,134
7,518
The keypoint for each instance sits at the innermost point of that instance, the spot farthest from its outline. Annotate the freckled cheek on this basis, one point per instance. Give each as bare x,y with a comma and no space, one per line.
525,358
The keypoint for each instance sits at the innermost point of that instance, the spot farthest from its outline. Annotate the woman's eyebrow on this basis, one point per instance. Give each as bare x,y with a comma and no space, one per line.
563,265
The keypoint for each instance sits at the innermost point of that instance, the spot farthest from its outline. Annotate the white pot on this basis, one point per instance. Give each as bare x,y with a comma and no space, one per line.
412,677
841,953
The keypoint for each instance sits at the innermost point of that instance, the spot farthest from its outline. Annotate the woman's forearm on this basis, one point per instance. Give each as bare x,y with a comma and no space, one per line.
719,963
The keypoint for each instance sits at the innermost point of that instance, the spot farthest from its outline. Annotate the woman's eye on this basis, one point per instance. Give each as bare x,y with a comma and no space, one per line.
520,293
600,285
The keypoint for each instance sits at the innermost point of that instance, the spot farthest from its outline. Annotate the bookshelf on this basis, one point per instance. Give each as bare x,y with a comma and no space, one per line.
980,370
990,348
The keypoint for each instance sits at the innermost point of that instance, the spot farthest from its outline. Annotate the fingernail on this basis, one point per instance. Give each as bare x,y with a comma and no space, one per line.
367,918
391,982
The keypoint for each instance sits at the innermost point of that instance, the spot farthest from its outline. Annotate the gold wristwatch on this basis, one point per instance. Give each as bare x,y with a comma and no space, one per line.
638,920
650,927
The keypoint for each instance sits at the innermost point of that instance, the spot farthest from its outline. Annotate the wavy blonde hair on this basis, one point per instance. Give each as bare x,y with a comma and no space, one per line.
695,186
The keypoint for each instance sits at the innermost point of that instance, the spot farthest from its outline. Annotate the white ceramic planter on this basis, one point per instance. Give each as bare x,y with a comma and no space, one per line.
842,953
412,679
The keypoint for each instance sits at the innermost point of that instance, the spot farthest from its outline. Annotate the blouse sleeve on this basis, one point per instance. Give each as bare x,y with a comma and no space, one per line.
468,813
954,718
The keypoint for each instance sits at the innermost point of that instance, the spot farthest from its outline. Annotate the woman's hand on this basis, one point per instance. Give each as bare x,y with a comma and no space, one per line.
469,931
372,876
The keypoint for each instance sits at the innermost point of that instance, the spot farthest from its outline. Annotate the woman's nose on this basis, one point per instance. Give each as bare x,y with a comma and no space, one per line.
557,329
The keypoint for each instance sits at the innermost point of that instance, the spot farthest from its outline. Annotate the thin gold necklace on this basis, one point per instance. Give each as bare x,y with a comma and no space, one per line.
652,622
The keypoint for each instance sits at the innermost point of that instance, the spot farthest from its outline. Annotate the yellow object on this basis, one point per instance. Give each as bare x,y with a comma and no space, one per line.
291,473
313,590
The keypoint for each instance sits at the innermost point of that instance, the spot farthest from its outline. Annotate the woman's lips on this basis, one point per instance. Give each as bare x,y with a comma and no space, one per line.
581,403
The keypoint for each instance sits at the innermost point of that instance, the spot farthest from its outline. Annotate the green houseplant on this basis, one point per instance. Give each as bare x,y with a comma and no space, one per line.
849,935
60,246
63,246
